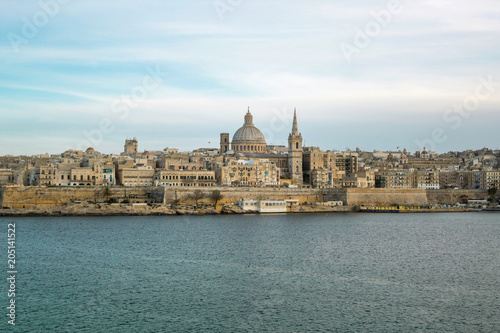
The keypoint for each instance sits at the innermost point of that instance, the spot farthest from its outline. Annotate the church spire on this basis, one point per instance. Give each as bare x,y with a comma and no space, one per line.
295,151
295,127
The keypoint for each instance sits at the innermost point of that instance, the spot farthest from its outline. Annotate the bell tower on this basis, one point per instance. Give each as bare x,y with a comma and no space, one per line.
130,147
224,143
295,153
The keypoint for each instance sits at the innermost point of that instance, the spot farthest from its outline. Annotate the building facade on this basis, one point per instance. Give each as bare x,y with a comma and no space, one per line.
185,178
249,173
136,176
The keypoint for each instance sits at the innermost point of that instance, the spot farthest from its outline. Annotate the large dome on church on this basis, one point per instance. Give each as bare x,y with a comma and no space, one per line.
249,134
248,138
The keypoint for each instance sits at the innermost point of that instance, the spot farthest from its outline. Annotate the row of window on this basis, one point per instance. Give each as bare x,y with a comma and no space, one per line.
181,167
249,148
138,184
188,184
74,177
170,177
275,204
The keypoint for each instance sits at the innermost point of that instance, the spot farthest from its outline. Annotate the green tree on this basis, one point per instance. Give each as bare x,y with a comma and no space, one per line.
107,193
197,196
216,196
492,193
463,199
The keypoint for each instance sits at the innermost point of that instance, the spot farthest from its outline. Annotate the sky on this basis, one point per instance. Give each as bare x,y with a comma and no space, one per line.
382,75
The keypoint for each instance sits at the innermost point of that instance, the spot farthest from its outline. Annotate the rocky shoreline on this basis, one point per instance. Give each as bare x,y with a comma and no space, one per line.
90,209
87,209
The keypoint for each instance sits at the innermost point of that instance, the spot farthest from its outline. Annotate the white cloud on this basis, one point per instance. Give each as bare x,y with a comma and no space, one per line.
265,55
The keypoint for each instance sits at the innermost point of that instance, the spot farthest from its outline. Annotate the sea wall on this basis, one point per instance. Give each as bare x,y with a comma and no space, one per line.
26,197
2,189
375,196
232,194
383,197
454,196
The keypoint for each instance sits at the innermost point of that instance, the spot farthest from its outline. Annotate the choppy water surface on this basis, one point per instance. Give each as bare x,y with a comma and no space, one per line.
280,273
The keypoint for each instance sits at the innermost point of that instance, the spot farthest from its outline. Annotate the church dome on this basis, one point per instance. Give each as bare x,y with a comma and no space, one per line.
248,138
248,133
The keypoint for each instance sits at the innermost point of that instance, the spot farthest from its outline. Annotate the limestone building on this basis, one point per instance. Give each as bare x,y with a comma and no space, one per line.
319,167
184,178
249,173
136,176
490,179
398,179
6,177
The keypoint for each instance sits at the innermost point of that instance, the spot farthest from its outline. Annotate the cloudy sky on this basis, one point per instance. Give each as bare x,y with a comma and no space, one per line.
368,74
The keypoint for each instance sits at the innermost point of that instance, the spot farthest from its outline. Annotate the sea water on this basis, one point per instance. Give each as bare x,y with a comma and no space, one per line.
255,273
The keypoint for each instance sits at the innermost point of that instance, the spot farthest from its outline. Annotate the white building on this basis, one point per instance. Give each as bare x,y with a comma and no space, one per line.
263,206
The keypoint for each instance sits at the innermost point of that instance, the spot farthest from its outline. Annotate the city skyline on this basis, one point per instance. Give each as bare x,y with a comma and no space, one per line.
177,75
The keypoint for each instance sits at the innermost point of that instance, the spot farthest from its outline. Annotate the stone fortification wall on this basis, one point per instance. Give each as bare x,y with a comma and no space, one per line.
26,197
358,197
232,194
454,196
375,196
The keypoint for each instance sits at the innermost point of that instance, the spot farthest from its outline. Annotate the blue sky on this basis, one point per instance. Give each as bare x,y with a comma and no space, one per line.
79,73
